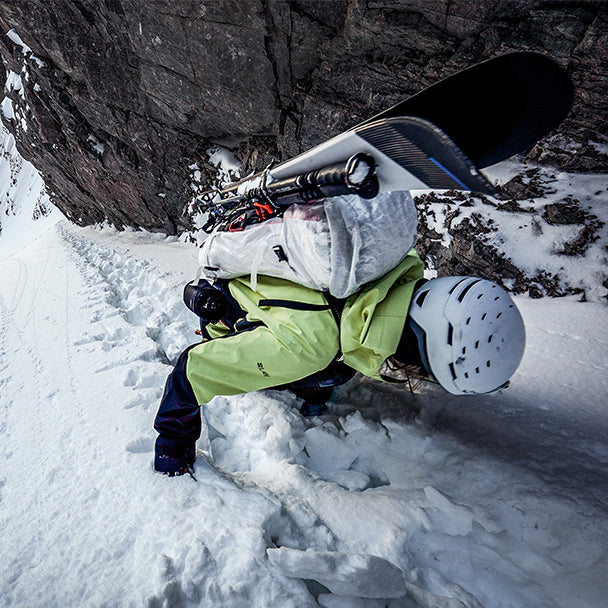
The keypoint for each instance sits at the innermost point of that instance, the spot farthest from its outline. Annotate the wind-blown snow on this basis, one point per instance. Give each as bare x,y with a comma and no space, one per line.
424,500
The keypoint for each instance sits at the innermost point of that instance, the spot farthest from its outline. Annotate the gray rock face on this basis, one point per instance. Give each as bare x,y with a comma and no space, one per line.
121,97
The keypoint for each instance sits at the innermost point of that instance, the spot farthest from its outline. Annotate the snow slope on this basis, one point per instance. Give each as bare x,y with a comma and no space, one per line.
423,500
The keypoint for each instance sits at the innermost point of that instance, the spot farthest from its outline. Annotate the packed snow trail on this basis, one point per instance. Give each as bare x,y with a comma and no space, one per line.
493,501
82,380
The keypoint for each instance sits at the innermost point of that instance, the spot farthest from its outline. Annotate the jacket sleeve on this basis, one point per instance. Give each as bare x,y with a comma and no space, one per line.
237,363
256,359
178,422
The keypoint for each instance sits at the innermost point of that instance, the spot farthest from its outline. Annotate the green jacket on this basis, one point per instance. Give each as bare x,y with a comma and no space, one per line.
283,344
293,343
373,319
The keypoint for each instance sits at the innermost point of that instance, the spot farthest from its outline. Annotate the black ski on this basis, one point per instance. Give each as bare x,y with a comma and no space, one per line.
494,109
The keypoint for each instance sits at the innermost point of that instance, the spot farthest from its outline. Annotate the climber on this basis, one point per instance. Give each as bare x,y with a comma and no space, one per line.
464,333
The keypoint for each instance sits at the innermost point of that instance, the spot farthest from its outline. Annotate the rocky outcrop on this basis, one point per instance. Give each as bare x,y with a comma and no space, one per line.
115,100
558,244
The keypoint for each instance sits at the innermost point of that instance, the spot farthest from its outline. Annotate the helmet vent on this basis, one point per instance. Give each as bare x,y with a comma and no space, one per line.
477,344
490,338
463,293
454,376
450,334
483,316
420,299
453,288
488,364
499,315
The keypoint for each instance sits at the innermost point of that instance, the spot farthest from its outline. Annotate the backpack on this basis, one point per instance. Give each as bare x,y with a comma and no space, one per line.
336,245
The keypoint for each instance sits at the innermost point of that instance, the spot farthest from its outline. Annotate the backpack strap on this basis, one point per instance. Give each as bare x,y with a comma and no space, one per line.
294,305
334,304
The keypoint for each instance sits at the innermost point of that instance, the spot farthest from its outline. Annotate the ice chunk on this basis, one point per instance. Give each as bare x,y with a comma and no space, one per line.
351,574
453,519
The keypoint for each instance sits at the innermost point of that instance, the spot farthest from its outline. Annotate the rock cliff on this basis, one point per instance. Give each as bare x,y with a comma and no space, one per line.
114,100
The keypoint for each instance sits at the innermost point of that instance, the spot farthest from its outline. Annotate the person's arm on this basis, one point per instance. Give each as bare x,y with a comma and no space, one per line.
178,422
238,363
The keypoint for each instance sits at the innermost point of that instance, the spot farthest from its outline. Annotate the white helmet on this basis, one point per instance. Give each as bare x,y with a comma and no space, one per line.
470,334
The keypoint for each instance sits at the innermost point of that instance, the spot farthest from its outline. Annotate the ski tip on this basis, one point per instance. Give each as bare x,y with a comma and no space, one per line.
496,108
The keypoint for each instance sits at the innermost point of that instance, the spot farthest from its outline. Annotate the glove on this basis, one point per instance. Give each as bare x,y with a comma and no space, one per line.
204,300
174,459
